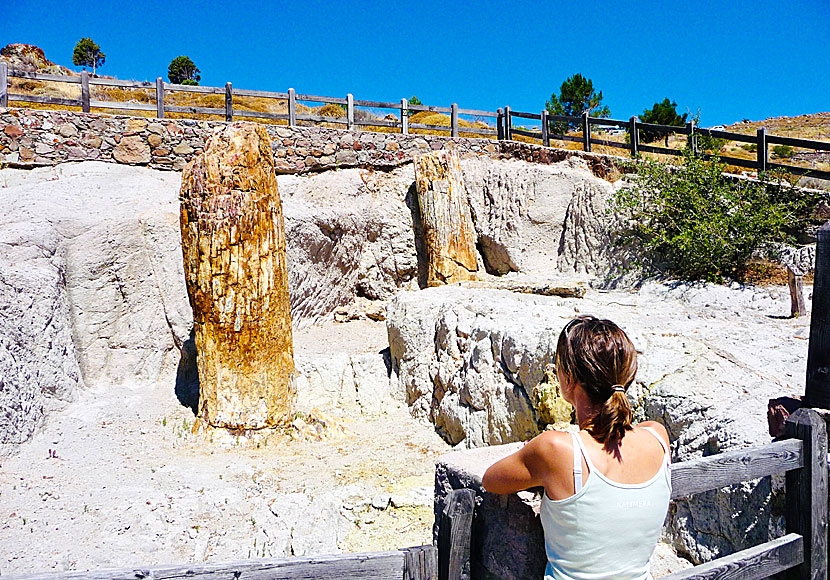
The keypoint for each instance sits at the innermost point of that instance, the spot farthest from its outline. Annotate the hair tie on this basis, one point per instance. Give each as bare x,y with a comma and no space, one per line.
617,389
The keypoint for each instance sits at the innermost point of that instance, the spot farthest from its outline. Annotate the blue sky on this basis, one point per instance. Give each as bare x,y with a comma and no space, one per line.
731,60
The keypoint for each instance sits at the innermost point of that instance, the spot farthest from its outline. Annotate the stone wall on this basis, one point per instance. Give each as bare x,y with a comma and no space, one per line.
32,138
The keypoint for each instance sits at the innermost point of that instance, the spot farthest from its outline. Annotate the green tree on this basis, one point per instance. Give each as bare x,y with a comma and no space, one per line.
88,54
182,71
664,113
576,96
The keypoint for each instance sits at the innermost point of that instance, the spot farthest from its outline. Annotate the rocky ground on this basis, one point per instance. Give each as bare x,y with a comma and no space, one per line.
119,478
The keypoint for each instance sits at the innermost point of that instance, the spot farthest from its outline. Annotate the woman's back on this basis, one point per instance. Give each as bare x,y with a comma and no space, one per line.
608,526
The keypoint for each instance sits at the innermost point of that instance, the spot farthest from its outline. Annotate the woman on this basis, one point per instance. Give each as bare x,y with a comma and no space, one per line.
607,488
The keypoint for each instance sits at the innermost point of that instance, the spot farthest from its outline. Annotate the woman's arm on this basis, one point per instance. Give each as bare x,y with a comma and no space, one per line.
530,466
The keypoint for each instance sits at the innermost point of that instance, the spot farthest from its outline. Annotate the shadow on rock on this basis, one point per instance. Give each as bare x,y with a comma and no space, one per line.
411,201
187,376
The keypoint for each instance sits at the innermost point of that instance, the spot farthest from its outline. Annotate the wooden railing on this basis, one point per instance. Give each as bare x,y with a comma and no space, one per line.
503,118
418,563
801,553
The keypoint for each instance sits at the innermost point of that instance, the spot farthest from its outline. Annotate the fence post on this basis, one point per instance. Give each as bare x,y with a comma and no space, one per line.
500,124
85,91
545,137
690,127
817,393
508,124
4,84
806,493
404,117
292,108
454,532
586,132
634,137
349,111
420,563
763,157
454,120
159,98
228,102
795,282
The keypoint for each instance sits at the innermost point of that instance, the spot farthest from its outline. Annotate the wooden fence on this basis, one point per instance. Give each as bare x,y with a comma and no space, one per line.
801,553
503,118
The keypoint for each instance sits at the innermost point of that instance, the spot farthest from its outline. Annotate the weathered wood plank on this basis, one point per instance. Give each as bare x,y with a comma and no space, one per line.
317,118
4,84
430,127
531,134
292,108
607,122
44,77
804,143
428,108
159,98
420,563
404,117
608,143
479,130
319,99
557,137
762,150
454,120
376,105
193,89
818,352
191,110
349,112
260,94
655,128
454,533
368,566
526,115
85,91
381,123
563,119
750,564
634,135
119,83
586,133
716,471
45,100
258,114
663,150
477,113
796,283
545,128
806,492
228,102
117,105
800,170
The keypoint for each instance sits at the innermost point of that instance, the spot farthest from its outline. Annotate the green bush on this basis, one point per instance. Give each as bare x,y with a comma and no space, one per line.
696,224
751,147
782,151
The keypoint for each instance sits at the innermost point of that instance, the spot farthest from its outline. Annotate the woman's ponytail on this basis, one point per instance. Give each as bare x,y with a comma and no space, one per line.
613,420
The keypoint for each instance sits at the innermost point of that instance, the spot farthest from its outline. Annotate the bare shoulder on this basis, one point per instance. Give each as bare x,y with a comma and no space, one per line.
657,428
551,445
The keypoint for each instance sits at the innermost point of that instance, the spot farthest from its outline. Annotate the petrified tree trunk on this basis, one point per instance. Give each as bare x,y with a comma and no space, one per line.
233,241
449,235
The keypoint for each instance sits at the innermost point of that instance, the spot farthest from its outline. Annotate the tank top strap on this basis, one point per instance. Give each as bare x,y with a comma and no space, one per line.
578,454
660,439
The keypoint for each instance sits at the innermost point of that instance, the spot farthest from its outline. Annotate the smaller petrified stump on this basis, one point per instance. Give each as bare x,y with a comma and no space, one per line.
449,235
233,241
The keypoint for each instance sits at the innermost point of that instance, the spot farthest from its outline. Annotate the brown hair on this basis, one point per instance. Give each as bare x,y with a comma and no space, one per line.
599,356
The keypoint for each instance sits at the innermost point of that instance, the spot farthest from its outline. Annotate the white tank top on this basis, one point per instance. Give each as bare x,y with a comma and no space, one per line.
606,529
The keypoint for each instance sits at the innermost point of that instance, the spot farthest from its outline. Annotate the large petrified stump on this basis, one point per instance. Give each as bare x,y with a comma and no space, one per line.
449,235
233,240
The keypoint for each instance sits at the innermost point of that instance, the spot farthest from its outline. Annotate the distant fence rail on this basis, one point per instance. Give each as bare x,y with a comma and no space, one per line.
550,128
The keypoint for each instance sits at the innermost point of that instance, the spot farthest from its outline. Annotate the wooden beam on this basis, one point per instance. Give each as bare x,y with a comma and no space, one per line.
292,108
500,124
716,471
404,117
508,124
454,533
85,91
368,566
159,98
4,84
762,151
349,112
228,102
795,282
750,564
43,99
420,563
634,136
43,77
586,133
806,493
545,138
817,392
454,120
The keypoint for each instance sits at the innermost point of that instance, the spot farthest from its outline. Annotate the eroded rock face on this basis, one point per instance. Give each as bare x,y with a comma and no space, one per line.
233,241
448,233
